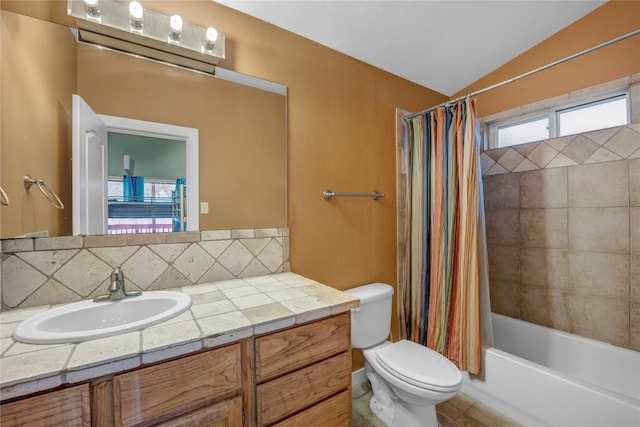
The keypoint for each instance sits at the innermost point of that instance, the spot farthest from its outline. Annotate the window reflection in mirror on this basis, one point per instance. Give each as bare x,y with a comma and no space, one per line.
156,166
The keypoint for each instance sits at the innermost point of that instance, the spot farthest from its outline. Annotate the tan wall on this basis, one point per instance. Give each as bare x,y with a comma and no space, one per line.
36,150
609,21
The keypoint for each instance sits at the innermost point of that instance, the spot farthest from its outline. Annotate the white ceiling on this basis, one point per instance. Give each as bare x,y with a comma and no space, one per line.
443,45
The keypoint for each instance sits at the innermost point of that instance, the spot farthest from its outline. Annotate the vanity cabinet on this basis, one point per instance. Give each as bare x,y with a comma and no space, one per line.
303,372
294,377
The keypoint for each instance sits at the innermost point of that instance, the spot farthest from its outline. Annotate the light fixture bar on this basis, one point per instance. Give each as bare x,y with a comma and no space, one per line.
153,36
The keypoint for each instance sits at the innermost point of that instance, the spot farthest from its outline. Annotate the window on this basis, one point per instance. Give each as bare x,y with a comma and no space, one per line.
522,132
598,113
601,114
153,215
153,188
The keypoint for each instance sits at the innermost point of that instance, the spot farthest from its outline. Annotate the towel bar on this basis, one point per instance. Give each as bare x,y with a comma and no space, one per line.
328,194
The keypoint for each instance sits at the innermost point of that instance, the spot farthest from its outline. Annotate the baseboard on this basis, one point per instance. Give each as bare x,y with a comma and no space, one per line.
358,377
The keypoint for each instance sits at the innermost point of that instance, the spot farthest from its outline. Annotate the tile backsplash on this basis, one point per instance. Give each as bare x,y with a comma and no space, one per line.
65,269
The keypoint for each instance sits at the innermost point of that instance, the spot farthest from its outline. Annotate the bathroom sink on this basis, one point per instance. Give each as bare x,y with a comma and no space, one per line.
86,320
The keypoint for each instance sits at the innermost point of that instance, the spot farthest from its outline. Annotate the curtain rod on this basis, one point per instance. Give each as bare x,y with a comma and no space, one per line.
544,67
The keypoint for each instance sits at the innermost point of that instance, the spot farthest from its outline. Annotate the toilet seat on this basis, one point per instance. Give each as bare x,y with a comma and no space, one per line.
419,366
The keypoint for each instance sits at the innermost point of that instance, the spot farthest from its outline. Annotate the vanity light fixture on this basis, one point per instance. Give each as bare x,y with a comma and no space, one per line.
128,27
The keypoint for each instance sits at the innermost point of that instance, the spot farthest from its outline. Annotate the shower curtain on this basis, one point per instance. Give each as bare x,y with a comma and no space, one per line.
445,250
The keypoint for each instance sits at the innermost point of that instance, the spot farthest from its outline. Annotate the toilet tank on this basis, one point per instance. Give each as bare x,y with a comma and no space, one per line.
371,322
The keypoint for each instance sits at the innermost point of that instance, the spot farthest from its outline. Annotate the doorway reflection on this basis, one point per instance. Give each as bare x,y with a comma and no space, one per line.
146,185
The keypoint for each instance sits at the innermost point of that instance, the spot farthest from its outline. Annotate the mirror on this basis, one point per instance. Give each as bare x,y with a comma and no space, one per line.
242,129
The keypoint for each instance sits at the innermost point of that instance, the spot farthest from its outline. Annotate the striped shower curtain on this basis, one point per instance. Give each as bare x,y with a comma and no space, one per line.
439,302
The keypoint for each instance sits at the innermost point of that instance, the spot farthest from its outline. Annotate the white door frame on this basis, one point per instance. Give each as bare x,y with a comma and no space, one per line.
89,170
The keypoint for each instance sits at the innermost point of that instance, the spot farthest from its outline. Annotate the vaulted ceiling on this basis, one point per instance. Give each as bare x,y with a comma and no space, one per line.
442,45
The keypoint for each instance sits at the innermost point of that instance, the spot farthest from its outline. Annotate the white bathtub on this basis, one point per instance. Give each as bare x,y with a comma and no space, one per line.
541,376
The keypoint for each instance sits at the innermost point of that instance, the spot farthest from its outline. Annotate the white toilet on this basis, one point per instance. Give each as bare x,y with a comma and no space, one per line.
407,379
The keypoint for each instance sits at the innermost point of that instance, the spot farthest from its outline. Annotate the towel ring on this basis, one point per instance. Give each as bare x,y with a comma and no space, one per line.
4,199
51,196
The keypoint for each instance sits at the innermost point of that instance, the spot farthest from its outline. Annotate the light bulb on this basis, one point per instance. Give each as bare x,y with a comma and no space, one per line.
210,38
135,10
175,28
91,8
136,13
175,22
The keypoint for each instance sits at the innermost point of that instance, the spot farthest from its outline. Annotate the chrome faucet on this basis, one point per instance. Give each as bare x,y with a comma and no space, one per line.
116,290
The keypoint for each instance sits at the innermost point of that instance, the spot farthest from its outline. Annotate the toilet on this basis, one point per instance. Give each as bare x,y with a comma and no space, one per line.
407,379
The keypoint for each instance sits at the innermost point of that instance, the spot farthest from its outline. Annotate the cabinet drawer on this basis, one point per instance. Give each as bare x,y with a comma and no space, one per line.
294,348
68,407
175,387
227,413
333,412
281,397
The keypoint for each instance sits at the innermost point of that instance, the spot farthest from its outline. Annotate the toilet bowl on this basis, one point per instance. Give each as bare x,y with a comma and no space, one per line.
407,379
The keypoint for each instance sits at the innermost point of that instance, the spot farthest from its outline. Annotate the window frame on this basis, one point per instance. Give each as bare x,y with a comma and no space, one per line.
518,120
552,113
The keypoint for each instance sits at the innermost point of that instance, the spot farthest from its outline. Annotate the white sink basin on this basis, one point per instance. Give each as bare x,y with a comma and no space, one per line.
86,320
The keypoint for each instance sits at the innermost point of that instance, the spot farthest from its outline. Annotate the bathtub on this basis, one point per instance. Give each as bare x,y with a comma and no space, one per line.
540,376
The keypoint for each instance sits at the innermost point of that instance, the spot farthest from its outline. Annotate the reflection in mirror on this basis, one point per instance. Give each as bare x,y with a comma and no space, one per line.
242,130
133,203
146,184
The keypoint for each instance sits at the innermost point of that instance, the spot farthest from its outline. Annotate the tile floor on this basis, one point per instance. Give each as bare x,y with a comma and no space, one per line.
461,411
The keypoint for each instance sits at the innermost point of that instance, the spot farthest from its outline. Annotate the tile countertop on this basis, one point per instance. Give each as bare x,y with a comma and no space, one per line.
221,312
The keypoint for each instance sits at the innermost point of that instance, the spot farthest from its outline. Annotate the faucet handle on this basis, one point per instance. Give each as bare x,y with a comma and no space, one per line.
116,290
117,275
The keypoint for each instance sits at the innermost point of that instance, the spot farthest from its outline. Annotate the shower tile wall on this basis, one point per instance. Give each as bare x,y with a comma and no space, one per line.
564,242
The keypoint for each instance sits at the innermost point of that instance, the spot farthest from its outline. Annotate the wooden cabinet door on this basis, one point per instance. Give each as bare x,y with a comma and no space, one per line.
159,391
227,413
68,407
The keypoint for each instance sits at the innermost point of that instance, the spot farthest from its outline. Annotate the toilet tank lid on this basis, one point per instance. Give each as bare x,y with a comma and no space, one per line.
372,292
